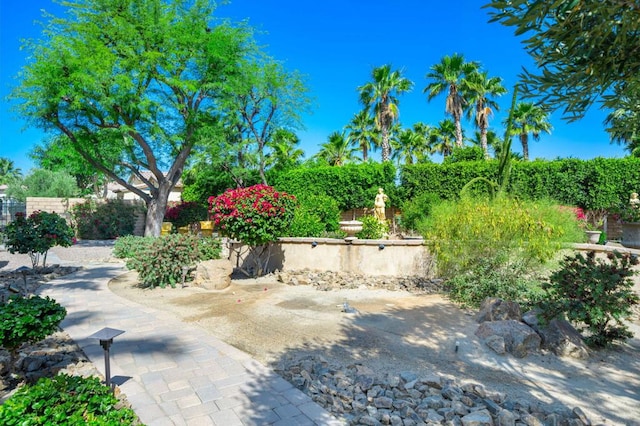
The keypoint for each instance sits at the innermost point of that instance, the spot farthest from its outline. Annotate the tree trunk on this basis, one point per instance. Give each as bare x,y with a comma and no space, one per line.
524,139
458,132
156,208
386,148
483,142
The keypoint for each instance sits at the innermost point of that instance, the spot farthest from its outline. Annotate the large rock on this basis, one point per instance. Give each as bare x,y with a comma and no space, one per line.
213,274
558,336
519,338
495,309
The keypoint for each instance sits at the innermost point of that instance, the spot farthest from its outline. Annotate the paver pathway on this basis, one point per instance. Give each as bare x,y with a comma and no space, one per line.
175,373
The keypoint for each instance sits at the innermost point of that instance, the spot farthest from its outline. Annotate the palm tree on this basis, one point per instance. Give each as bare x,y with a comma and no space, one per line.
284,151
493,141
441,138
480,89
529,118
380,96
337,151
412,145
363,134
449,75
8,171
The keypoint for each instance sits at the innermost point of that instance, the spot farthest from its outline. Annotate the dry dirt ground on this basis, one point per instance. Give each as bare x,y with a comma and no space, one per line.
392,332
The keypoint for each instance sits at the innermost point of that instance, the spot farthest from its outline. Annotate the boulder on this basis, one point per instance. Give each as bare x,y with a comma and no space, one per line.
495,309
213,274
519,338
561,338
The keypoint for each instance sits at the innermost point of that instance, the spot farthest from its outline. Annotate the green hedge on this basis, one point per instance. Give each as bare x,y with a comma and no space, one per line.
599,183
352,186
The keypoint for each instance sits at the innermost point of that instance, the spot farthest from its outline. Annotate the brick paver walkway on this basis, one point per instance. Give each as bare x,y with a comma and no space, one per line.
175,373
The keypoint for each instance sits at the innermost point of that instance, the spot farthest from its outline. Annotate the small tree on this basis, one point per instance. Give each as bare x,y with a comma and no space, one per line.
256,216
594,294
36,234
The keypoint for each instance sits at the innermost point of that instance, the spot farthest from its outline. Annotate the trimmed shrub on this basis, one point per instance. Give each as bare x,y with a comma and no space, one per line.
595,295
416,211
65,400
104,220
130,246
315,217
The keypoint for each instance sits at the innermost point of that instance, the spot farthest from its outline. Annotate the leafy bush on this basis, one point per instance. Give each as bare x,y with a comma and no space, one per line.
416,211
209,248
65,400
185,213
31,319
595,295
485,279
315,217
162,263
372,228
36,234
43,183
130,246
104,220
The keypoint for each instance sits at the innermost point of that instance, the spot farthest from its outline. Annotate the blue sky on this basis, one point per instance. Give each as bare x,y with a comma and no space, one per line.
336,44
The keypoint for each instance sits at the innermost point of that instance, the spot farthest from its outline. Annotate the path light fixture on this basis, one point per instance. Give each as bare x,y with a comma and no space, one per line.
314,244
381,247
106,336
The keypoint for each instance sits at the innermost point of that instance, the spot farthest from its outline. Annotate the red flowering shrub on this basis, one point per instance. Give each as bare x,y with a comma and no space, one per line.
255,215
185,213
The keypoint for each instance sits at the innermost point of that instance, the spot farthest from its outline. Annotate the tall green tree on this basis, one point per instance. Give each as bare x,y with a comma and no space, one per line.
448,77
363,133
412,145
8,171
380,95
263,99
584,51
141,78
337,151
482,90
529,118
442,138
43,183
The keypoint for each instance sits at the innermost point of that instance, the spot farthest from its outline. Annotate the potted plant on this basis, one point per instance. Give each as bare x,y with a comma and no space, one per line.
591,222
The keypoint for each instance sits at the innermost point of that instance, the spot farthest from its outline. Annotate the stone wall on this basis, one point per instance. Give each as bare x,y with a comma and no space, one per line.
368,257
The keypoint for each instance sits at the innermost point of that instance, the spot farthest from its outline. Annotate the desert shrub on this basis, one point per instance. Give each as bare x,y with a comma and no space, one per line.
508,283
416,211
104,220
315,217
209,248
482,246
130,246
30,319
595,295
36,234
65,400
162,263
372,228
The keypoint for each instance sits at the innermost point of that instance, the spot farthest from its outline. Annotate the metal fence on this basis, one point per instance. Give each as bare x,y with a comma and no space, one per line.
8,209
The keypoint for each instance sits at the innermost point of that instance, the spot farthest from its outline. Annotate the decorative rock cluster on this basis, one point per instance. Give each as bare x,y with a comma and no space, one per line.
361,397
504,329
329,280
26,281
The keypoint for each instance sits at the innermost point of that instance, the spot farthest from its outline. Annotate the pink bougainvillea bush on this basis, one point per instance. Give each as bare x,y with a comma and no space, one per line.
256,215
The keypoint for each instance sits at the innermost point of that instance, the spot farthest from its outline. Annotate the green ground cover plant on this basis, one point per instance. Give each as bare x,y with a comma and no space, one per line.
65,400
594,294
497,248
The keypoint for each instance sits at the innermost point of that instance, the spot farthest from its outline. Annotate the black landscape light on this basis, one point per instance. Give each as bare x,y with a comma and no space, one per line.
381,247
314,244
106,336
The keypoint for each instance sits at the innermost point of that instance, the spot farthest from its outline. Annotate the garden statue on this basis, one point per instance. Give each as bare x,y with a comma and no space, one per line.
634,201
379,205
